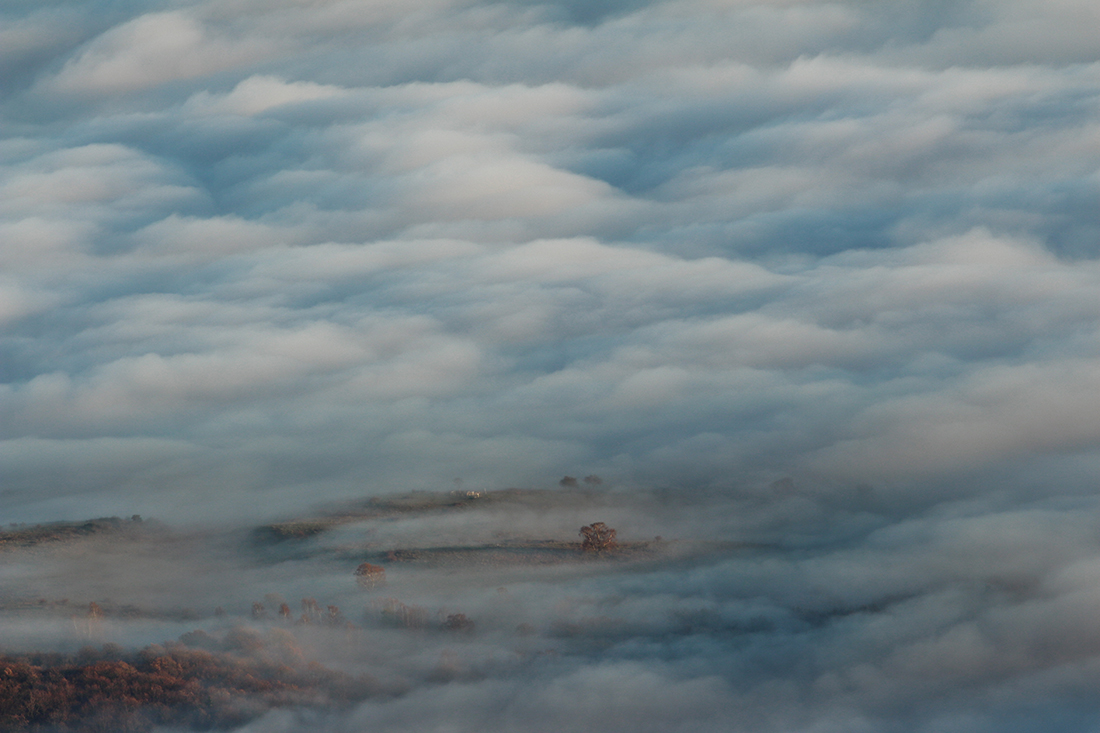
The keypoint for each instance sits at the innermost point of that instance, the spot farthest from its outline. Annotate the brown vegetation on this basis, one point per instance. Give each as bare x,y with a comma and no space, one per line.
419,503
21,536
597,537
370,576
162,685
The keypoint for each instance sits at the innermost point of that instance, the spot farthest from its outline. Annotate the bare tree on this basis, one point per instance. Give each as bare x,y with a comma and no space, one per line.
597,537
398,613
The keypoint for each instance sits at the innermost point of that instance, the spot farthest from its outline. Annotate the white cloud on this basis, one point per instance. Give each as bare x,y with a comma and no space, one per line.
150,50
196,239
257,94
94,182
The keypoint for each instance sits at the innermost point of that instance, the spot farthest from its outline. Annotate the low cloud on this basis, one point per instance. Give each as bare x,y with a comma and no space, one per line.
148,51
827,271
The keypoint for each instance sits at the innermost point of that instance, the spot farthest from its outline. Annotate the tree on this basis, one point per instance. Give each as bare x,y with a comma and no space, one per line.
458,622
334,617
311,611
597,537
370,576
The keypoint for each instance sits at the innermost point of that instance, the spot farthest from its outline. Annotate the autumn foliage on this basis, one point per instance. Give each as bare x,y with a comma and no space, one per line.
370,576
174,686
597,537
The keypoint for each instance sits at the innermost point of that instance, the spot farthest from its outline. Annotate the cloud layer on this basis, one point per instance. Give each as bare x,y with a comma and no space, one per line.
263,253
679,242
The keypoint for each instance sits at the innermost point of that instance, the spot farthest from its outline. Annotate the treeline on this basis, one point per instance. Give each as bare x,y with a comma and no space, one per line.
24,535
106,690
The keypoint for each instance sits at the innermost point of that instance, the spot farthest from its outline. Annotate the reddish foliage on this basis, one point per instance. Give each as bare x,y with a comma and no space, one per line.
370,576
597,537
173,686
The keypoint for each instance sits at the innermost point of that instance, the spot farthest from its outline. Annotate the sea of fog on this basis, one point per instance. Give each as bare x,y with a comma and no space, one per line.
780,609
812,285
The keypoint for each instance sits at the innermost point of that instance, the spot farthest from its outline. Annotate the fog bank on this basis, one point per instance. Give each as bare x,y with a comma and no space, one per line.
816,282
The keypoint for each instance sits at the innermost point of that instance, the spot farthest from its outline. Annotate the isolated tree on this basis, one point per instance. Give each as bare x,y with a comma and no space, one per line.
311,610
370,576
400,614
92,626
568,481
458,622
597,537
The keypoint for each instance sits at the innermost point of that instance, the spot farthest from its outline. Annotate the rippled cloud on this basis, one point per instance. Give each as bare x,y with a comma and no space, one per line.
263,253
680,241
